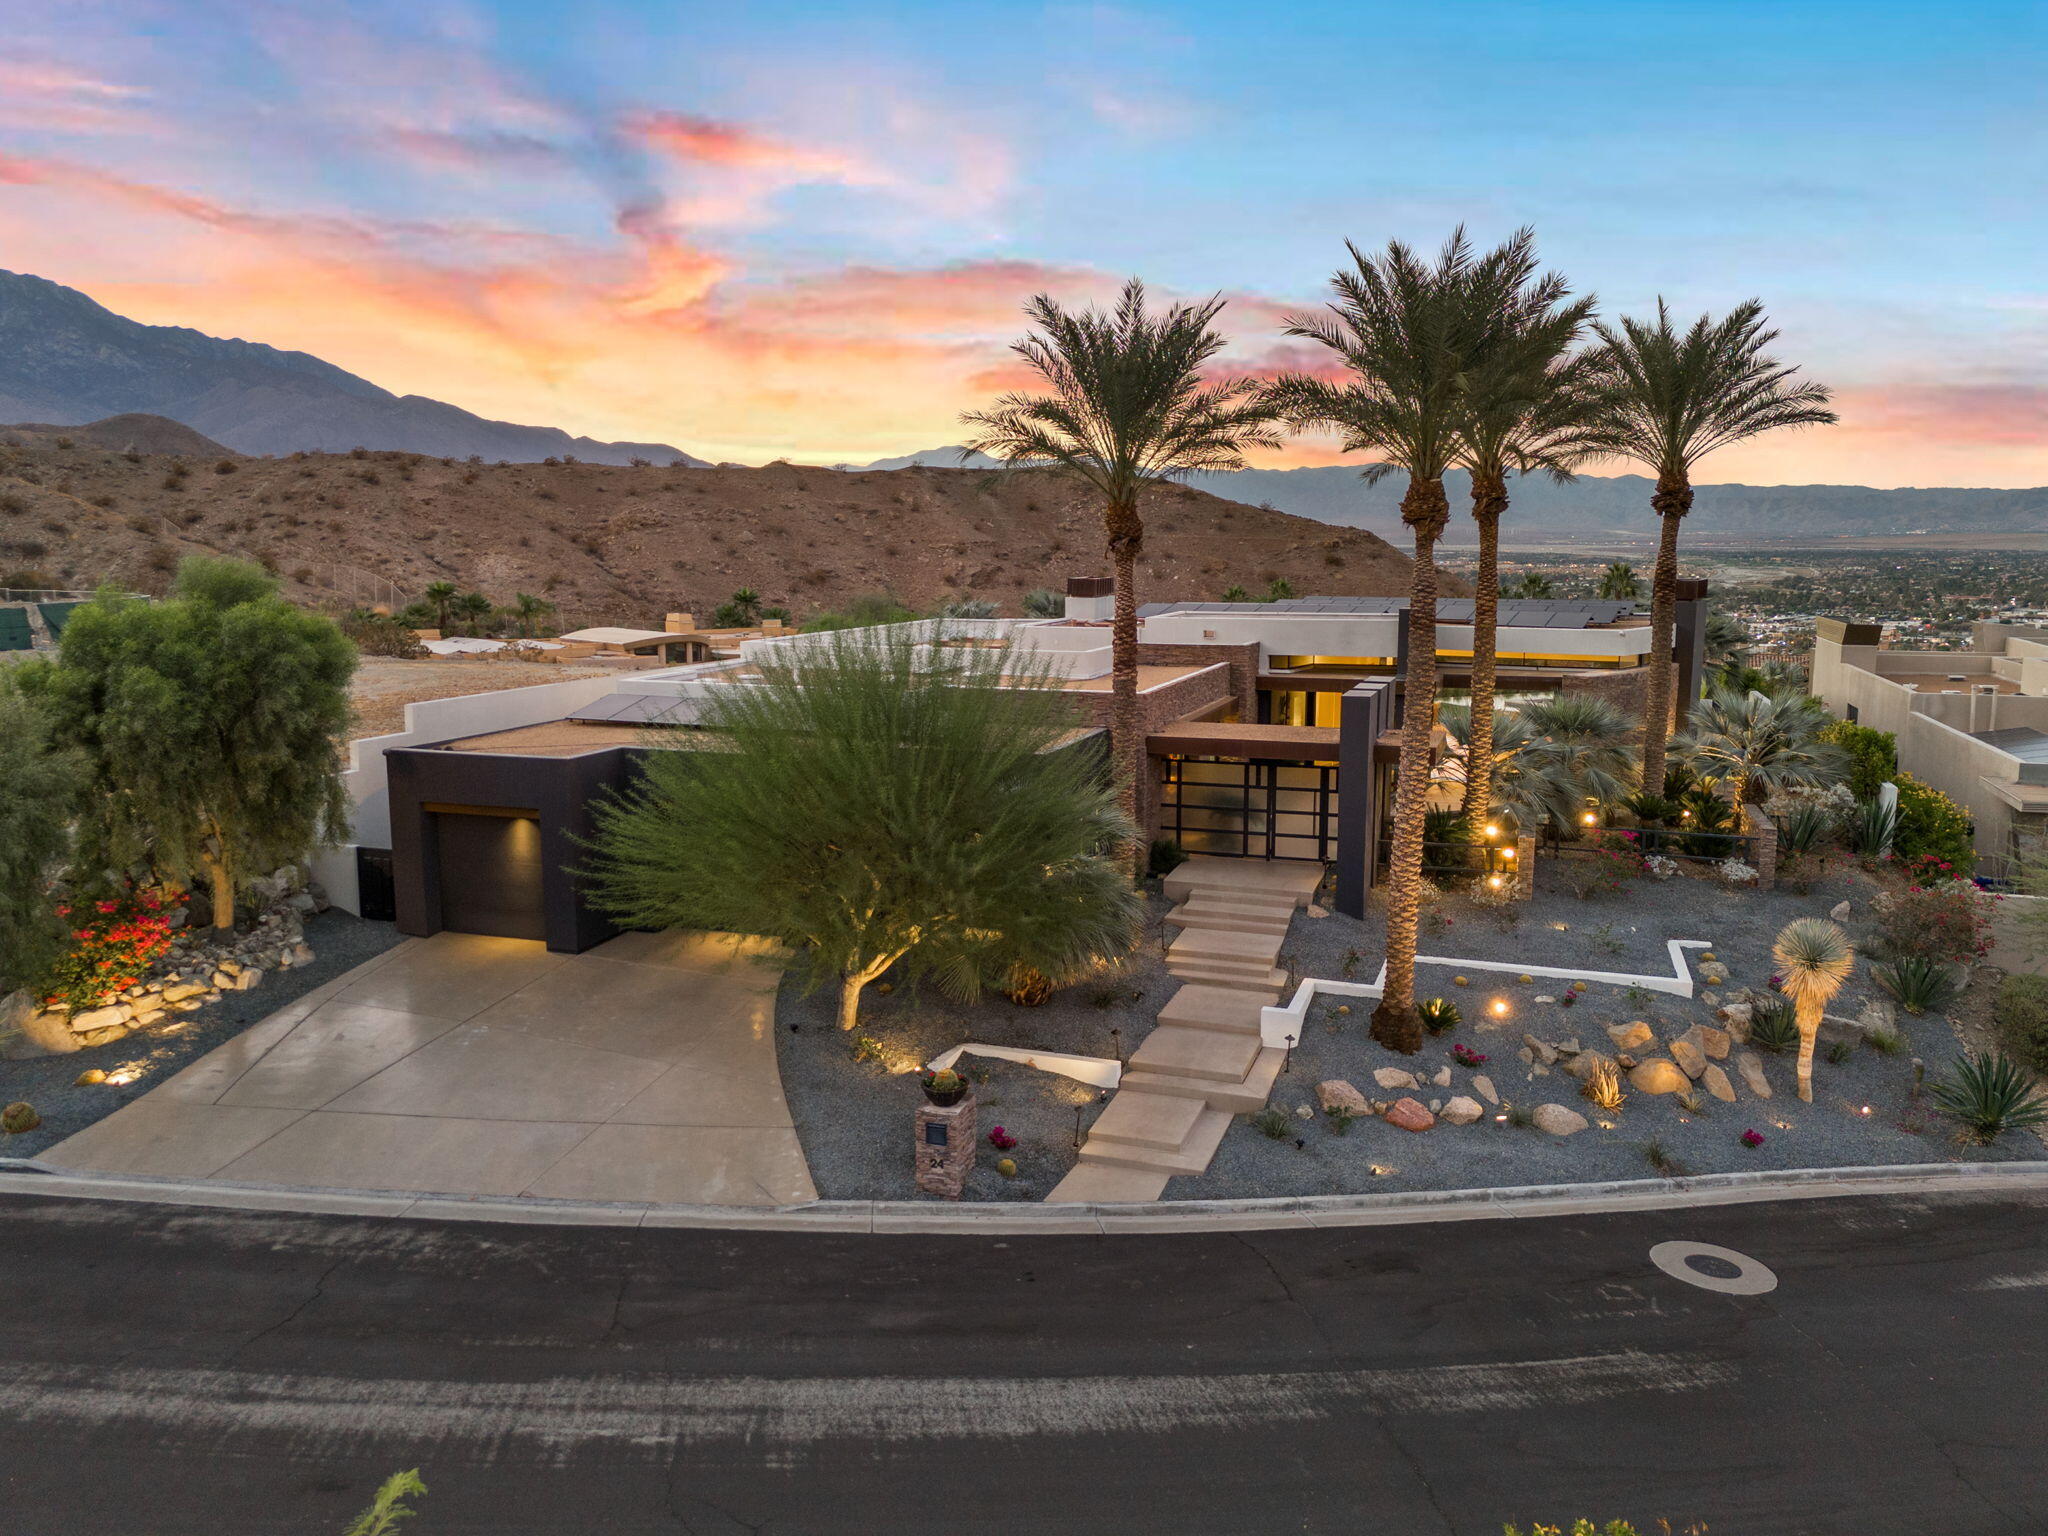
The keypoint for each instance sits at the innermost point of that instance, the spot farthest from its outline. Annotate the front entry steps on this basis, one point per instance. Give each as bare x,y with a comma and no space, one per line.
1204,1061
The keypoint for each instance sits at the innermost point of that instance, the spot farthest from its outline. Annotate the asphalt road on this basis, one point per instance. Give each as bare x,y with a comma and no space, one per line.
166,1371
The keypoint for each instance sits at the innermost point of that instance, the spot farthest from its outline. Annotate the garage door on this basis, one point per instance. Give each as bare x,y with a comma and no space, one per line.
490,872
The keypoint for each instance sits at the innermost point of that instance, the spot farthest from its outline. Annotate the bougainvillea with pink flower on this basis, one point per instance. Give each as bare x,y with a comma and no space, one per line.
111,947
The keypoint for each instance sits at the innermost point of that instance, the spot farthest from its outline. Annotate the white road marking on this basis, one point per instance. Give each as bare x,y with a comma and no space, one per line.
564,1414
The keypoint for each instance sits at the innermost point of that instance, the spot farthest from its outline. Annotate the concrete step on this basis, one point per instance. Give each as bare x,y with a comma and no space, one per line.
1183,1052
1219,1008
1092,1183
1195,914
1209,944
1214,898
1192,1156
1244,1097
1253,983
1134,1118
1294,882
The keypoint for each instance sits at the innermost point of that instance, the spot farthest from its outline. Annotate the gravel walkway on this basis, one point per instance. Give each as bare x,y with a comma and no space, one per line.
340,943
1625,932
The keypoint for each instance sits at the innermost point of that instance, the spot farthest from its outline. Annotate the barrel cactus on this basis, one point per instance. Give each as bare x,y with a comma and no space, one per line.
18,1118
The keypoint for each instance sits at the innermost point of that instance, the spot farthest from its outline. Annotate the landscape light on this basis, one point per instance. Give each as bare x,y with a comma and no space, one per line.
1492,830
1493,881
1589,818
1500,1007
1507,853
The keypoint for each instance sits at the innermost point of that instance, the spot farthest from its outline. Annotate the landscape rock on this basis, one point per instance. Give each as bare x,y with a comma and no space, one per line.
1441,1077
1716,1083
1394,1077
1713,973
251,977
1436,1106
302,954
1710,999
1544,1051
1736,1016
1878,1014
1462,1111
1713,1041
1338,1094
1658,1075
182,991
1751,1066
27,1032
1839,911
1483,1086
105,1036
1690,1058
1316,911
1568,1047
1631,1037
1409,1115
1556,1120
1586,1063
100,1018
223,981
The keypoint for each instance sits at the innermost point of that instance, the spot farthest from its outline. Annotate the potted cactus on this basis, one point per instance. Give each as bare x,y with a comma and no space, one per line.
944,1087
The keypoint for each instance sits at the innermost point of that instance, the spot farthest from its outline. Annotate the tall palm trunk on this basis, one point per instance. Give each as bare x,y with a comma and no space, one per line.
1126,740
1395,1023
1672,500
1489,503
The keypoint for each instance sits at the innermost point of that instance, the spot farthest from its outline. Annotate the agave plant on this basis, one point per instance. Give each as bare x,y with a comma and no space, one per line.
1804,828
1991,1097
1771,1027
1439,1015
1815,958
1870,833
1921,984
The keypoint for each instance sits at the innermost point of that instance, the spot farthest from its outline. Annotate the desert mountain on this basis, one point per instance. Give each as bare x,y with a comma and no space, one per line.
66,360
1596,504
81,505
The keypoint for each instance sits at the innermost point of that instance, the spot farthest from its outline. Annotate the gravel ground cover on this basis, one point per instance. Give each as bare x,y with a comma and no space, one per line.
50,1083
1624,932
854,1115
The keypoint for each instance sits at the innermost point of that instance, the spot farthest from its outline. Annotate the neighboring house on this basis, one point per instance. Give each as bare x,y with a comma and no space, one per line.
1255,714
1973,724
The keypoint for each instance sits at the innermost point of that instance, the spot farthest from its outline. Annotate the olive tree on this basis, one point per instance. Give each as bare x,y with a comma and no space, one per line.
209,725
876,801
38,785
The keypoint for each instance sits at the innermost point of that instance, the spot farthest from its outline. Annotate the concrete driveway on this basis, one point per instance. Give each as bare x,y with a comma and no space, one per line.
643,1070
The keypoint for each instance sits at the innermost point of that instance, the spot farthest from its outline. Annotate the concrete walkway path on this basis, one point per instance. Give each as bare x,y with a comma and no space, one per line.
643,1070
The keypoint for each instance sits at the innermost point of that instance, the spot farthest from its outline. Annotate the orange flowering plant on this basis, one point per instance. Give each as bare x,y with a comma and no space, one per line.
112,944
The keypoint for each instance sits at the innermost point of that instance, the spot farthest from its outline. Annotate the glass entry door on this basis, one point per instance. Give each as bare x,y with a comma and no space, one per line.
1240,808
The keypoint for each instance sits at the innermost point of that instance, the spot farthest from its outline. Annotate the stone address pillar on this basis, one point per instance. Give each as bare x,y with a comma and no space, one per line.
943,1147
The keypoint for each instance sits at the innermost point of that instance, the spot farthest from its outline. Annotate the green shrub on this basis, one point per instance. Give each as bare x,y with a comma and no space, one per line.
1945,920
1873,755
1439,1015
1932,826
1164,856
1771,1027
2021,1010
1920,984
1991,1097
1271,1121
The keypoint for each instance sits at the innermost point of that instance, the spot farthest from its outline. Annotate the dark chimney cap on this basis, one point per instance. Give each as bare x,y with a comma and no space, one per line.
1090,586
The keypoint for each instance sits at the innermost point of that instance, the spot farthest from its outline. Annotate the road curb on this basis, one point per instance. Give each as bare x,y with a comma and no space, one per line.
28,1177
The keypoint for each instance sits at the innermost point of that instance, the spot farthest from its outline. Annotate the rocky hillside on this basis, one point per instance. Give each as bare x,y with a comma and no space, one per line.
66,359
623,544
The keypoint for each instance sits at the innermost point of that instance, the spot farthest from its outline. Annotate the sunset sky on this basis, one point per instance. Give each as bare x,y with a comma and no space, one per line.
762,230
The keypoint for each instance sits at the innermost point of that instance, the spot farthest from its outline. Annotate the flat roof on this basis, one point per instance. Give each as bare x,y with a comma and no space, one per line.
2022,742
1216,738
1515,613
567,738
606,635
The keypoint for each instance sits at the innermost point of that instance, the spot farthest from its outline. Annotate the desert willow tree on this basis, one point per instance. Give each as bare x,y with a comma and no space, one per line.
1128,408
1814,958
1408,335
876,802
1673,398
1529,404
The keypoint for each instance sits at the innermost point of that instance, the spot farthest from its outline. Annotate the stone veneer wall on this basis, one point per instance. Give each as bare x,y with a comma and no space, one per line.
1623,687
1242,659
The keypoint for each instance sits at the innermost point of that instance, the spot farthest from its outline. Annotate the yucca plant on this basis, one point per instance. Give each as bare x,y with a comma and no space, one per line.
1871,830
1603,1086
1771,1027
1920,985
1804,828
1439,1015
1991,1097
1815,958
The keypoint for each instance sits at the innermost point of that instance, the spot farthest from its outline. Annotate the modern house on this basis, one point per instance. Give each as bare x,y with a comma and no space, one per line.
1271,730
1972,724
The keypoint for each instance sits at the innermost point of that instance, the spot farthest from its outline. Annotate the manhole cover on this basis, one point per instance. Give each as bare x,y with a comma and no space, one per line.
1714,1269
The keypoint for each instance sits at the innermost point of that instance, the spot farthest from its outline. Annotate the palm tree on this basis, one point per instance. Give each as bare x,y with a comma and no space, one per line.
440,596
1128,409
1758,742
746,606
1533,585
471,610
530,610
1675,398
1528,405
1620,583
1407,333
1551,761
1725,637
1043,603
1814,959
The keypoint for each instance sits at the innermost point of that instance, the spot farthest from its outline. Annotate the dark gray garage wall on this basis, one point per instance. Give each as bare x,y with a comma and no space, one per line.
562,790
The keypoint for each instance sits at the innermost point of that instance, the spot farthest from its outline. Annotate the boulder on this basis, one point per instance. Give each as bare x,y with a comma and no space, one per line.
100,1018
1556,1120
1586,1063
1878,1013
1338,1094
1658,1075
1441,1077
27,1032
1713,1041
1690,1058
1839,911
1394,1077
1751,1066
1716,1082
1409,1115
105,1036
1568,1047
1462,1111
223,982
1483,1086
251,977
1631,1037
1544,1051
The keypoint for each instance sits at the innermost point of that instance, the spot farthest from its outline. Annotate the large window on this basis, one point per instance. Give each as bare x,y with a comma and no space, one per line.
1246,809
